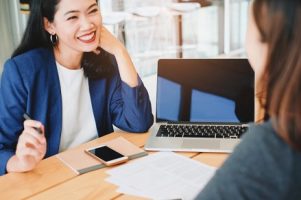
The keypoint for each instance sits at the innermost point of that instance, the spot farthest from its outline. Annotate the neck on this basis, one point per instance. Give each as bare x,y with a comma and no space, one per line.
68,59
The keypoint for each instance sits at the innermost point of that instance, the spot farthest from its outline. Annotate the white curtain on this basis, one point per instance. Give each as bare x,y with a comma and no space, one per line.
12,25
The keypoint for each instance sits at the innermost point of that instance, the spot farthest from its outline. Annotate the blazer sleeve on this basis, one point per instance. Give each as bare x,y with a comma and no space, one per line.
130,107
12,106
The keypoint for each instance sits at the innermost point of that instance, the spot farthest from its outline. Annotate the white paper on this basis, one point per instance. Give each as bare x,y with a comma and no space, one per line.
163,175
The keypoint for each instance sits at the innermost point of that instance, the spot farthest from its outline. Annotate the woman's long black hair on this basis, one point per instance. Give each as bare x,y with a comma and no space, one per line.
35,36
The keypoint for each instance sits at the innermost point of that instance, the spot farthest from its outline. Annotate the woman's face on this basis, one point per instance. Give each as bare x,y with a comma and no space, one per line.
77,24
256,50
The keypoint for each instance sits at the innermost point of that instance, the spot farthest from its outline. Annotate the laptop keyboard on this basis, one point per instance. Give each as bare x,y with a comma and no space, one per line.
202,131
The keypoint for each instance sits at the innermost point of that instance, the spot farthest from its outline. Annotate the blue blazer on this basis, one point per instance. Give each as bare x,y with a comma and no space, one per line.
30,84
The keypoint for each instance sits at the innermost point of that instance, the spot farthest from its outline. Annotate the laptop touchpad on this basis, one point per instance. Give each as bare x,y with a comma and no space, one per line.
203,144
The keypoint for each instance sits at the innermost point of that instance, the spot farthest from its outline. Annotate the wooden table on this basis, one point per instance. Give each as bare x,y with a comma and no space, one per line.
51,179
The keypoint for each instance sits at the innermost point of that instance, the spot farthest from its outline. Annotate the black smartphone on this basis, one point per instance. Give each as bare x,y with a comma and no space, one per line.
107,155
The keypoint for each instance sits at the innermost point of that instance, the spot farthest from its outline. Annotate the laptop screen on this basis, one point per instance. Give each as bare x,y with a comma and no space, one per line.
205,90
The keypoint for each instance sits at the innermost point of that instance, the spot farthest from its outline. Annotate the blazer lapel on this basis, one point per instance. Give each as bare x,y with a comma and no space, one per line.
97,95
55,107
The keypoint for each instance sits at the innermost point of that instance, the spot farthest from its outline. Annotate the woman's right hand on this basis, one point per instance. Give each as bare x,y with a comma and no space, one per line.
31,148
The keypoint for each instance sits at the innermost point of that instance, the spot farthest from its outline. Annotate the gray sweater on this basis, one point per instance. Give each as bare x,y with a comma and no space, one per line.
262,166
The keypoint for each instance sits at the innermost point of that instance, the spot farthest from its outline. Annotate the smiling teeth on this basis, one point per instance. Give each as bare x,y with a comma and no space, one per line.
87,37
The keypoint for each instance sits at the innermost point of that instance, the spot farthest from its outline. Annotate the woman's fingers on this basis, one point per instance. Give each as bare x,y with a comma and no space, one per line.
31,147
31,142
33,128
32,123
109,42
28,151
28,140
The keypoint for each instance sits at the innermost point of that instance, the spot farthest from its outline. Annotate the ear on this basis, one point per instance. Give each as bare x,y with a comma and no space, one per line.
48,26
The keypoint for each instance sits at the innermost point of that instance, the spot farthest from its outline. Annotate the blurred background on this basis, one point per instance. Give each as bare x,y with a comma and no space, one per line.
153,29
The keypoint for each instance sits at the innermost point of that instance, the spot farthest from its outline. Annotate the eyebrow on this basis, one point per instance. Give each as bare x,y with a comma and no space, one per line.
76,11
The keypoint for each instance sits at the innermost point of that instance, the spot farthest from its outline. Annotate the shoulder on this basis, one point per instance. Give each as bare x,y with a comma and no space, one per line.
34,58
37,53
261,147
260,164
28,63
270,152
262,143
26,67
266,139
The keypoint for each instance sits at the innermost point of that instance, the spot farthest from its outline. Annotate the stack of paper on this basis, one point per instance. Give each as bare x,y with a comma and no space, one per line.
163,175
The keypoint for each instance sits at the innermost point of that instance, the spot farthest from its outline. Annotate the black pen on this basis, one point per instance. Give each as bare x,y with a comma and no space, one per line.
26,116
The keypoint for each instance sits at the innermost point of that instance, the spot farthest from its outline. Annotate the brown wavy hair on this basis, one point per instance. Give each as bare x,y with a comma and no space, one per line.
279,24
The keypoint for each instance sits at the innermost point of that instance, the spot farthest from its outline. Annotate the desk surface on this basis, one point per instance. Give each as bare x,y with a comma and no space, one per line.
53,180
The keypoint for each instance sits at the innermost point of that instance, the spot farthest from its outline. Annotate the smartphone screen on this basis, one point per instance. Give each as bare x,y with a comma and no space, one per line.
105,153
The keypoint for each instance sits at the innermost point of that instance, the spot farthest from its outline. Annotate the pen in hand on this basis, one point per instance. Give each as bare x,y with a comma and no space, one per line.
26,116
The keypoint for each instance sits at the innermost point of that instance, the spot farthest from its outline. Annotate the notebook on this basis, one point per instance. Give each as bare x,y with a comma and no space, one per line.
202,105
80,162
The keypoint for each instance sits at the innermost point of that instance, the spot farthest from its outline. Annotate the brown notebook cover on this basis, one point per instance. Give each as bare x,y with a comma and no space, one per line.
80,162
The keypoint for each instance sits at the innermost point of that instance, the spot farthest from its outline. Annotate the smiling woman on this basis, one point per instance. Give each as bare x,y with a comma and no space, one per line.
74,78
77,25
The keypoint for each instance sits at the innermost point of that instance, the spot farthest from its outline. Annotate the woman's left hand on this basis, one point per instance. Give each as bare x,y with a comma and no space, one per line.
109,42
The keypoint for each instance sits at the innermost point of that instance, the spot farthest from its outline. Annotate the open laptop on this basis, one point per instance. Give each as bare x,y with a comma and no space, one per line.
202,105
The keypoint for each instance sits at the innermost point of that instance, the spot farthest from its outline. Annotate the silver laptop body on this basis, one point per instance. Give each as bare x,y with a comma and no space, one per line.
195,93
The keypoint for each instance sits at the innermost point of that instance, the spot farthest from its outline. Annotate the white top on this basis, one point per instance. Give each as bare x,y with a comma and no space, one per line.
78,123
